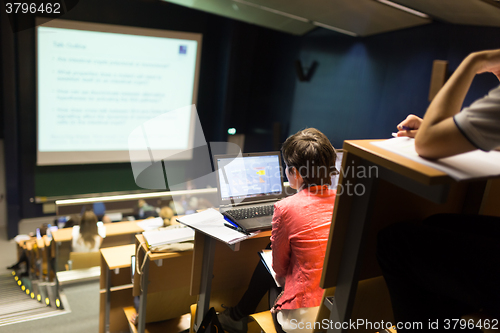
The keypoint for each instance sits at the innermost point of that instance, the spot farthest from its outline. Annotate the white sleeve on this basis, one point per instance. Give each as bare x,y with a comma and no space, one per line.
74,236
480,122
101,230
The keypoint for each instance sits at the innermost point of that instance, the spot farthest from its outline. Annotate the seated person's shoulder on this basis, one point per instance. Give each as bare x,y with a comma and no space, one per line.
285,202
98,242
480,122
75,231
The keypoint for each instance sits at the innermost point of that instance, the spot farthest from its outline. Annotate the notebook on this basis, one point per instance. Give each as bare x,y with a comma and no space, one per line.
249,181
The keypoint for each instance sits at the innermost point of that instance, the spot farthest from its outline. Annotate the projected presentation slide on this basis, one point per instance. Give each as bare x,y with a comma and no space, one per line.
94,88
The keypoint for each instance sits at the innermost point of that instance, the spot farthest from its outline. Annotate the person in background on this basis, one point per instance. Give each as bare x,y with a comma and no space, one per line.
23,257
146,210
166,213
449,264
74,219
106,219
300,230
86,237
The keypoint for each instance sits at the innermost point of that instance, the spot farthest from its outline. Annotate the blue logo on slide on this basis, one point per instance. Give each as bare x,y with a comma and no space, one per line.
183,49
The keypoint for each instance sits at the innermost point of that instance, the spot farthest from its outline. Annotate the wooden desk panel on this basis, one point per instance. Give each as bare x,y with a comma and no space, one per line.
175,269
393,204
389,203
112,229
490,204
167,277
398,189
215,276
249,248
117,321
118,257
120,293
233,271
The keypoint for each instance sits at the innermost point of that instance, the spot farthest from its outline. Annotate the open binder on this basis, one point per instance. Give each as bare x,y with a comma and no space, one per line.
266,256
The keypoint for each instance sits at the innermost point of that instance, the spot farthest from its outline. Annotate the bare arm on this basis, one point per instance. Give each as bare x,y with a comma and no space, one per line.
438,136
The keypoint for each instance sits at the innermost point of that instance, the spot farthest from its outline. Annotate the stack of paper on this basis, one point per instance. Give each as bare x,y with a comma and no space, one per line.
150,224
211,222
471,165
163,237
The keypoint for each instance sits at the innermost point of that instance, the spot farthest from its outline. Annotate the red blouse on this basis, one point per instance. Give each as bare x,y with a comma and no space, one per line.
300,229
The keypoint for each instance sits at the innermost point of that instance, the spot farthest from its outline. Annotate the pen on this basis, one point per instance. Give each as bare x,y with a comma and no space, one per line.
229,221
406,128
240,229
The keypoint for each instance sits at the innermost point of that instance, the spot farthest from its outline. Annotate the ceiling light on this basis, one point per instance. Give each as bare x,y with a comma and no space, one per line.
342,31
295,17
279,12
403,8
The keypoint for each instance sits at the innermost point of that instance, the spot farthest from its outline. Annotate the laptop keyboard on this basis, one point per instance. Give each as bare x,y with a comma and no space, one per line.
249,212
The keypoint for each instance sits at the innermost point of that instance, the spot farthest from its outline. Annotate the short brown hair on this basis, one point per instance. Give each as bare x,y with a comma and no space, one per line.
310,152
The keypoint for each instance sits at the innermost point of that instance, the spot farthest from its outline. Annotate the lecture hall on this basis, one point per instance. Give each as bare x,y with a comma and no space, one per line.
129,127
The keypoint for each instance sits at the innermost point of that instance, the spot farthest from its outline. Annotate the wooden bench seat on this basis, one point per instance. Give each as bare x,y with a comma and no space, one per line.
174,325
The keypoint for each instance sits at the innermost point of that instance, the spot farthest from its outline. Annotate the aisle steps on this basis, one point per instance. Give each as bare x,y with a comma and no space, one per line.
18,306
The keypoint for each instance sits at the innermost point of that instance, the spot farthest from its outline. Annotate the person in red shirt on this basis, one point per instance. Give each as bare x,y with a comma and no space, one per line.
300,229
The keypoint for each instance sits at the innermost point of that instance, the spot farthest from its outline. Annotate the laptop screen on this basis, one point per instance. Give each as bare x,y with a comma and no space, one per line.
249,177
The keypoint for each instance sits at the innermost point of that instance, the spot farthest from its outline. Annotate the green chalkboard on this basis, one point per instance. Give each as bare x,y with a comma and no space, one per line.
61,180
83,179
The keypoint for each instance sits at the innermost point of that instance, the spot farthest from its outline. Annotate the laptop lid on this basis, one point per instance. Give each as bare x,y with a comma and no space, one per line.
249,177
338,166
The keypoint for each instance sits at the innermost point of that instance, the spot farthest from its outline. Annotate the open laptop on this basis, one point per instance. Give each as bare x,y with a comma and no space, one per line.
248,186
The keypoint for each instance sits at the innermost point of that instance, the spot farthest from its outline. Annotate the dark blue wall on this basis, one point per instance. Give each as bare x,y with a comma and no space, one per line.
363,87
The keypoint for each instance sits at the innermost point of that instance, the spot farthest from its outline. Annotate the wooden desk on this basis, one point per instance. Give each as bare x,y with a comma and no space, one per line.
397,189
118,233
115,287
164,286
217,268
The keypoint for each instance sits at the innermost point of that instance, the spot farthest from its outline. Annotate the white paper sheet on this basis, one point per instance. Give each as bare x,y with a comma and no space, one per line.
474,164
211,222
150,224
162,237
